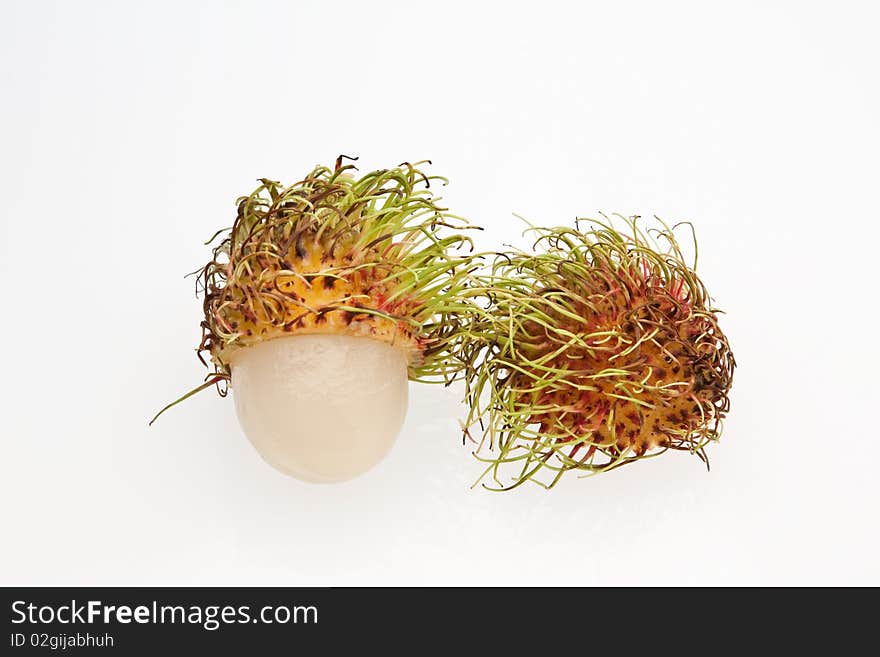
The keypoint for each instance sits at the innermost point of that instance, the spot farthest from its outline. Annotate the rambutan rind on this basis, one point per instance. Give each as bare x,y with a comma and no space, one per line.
373,256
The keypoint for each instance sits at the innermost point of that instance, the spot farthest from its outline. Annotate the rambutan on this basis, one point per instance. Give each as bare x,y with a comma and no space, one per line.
364,268
596,350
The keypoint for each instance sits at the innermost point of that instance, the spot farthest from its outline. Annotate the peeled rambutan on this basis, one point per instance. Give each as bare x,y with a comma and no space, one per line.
597,349
321,301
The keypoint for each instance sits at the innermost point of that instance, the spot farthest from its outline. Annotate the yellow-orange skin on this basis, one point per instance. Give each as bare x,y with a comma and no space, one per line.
301,295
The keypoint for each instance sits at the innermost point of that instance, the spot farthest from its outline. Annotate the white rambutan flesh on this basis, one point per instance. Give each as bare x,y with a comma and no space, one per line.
321,407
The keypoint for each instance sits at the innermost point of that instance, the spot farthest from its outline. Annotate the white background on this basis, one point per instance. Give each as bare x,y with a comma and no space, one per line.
127,130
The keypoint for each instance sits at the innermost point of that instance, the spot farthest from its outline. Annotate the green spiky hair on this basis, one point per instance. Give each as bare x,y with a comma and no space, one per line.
373,256
597,349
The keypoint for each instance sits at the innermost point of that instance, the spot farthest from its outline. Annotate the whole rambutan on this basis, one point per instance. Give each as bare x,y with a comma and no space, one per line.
597,349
